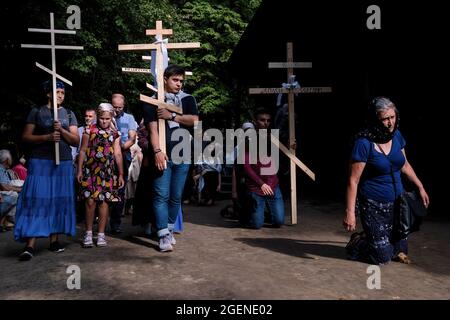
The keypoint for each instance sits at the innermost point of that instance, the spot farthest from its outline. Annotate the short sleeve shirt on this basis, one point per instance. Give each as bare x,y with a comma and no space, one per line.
125,123
189,106
43,120
377,182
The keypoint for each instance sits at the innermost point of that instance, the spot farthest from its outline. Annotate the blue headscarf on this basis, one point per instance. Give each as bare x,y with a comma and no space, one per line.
47,85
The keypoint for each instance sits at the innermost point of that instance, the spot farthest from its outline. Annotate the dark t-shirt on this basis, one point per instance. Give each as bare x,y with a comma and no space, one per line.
42,118
189,106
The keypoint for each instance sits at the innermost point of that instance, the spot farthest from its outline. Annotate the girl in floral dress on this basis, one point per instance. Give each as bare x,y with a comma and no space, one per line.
100,171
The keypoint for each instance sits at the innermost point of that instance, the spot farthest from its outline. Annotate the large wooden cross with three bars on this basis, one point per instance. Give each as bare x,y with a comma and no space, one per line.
160,46
53,48
291,88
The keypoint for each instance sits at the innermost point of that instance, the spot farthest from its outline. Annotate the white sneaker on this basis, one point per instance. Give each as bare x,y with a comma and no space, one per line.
172,239
101,241
165,243
87,240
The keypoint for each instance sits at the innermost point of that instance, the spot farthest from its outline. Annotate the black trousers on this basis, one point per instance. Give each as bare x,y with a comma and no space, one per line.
116,209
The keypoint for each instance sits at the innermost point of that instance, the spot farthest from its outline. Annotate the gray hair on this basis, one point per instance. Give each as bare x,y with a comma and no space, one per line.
382,104
107,107
5,155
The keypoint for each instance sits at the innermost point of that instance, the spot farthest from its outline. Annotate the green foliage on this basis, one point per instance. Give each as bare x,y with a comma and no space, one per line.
217,24
219,29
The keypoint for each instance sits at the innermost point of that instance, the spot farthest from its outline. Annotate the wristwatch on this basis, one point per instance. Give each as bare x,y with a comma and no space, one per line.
173,116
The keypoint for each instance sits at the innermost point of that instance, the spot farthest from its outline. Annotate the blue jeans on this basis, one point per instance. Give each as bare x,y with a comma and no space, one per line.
276,206
168,190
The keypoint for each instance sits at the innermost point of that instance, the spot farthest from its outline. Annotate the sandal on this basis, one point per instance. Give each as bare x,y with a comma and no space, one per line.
354,239
402,258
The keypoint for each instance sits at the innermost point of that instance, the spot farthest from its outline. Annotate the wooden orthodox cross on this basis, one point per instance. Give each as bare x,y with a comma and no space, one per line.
160,46
53,48
291,88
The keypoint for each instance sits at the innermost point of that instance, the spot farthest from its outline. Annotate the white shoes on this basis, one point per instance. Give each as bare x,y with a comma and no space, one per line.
172,239
89,243
87,240
165,243
101,241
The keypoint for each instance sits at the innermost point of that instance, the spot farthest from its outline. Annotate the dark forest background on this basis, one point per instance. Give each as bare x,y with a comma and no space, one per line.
407,60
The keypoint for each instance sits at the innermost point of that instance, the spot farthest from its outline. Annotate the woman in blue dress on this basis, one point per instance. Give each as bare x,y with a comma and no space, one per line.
46,205
377,162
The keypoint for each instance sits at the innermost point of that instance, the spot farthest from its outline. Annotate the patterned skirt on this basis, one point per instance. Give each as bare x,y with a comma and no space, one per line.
376,245
46,204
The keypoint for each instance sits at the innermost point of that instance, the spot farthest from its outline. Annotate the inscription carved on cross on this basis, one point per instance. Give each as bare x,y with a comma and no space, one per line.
159,48
291,88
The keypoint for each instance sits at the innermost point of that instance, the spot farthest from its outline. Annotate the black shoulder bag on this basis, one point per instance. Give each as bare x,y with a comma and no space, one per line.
408,209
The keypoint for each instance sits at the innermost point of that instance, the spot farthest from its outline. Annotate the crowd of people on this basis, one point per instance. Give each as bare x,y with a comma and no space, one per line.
113,164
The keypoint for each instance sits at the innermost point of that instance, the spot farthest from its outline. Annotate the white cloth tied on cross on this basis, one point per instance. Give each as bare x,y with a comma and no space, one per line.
154,70
292,84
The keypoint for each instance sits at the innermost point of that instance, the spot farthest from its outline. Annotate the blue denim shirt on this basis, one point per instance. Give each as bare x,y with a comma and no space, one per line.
125,123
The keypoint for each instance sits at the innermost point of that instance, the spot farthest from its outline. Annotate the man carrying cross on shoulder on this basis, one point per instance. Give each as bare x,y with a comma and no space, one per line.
171,174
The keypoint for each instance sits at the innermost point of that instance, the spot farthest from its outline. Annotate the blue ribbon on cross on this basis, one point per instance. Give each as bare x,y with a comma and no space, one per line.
292,84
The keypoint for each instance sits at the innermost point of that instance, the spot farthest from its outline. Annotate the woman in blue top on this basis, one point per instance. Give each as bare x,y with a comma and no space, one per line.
46,205
378,159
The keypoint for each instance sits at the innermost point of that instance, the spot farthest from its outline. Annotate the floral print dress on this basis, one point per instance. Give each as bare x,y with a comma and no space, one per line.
100,180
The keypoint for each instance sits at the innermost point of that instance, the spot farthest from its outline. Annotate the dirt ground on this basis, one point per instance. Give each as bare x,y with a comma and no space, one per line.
216,259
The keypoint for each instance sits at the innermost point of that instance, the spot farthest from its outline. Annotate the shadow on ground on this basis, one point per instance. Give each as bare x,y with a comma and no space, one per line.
136,239
298,248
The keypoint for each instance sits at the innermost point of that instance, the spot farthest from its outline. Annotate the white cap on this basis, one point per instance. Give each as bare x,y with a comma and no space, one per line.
247,125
